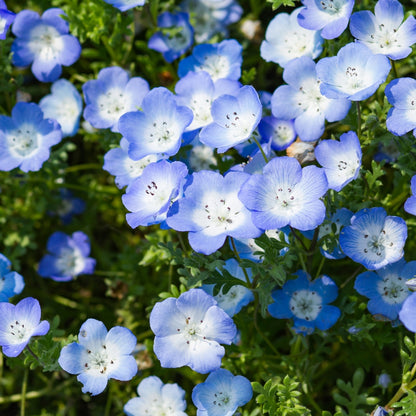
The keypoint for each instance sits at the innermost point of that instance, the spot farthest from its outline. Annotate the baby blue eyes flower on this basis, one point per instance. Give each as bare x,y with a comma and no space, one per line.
156,398
100,355
303,101
151,195
44,42
221,394
386,288
68,258
355,73
286,194
189,330
331,16
176,36
341,160
18,323
384,32
118,163
26,137
410,204
11,283
64,105
238,296
6,19
211,210
401,94
234,119
111,95
286,40
407,314
374,239
280,132
158,128
307,302
124,5
220,60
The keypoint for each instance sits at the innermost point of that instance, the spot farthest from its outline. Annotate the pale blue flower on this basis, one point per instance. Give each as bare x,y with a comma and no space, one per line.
124,5
100,355
189,331
156,399
221,394
18,323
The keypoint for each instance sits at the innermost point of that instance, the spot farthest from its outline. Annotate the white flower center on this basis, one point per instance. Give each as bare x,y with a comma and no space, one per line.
135,167
305,304
19,332
45,42
70,262
113,104
309,97
393,289
239,125
220,214
353,78
333,7
384,39
24,141
298,42
222,400
285,198
161,133
217,66
100,360
200,105
157,195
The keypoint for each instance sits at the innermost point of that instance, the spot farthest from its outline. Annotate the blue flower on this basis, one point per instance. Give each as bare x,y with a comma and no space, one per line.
158,128
64,105
238,296
280,132
286,194
124,5
6,19
374,239
70,206
340,218
220,60
234,119
221,394
197,91
306,302
100,355
156,398
176,36
18,323
384,32
341,160
380,411
44,42
410,204
211,17
331,16
189,331
302,100
118,163
211,210
11,283
26,137
355,73
151,195
111,95
401,118
68,258
286,40
386,288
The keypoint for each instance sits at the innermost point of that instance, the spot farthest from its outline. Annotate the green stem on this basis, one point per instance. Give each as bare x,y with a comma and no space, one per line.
259,146
321,264
357,103
239,261
24,390
393,65
109,400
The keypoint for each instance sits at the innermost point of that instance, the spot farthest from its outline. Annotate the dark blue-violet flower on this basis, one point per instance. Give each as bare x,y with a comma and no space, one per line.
306,302
6,19
11,283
